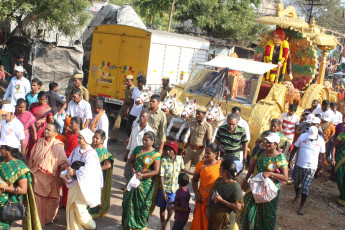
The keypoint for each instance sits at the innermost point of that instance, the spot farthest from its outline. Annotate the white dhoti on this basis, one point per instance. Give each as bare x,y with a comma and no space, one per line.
78,216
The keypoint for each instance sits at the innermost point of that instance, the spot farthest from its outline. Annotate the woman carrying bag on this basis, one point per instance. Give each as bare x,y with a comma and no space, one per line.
272,164
16,190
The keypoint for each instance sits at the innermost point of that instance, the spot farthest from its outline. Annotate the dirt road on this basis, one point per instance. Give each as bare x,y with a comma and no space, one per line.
321,210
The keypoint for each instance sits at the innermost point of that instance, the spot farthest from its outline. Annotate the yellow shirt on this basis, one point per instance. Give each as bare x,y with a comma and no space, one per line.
128,95
164,91
200,132
158,123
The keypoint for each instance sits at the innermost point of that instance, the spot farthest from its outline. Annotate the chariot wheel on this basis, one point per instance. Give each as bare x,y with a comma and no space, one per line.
315,91
260,118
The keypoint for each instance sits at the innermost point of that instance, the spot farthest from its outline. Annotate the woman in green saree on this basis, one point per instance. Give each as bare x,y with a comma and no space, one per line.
15,177
144,164
106,160
272,163
338,161
225,199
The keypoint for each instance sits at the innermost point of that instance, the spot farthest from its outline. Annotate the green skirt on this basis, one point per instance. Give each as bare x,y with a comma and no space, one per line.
260,216
340,178
136,205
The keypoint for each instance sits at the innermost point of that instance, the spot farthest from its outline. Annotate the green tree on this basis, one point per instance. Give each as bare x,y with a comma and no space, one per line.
150,9
223,19
66,15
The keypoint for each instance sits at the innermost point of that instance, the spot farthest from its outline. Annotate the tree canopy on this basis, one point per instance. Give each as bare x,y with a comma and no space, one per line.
223,19
66,15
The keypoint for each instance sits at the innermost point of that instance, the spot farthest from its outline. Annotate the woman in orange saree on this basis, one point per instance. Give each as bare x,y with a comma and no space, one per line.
207,171
43,113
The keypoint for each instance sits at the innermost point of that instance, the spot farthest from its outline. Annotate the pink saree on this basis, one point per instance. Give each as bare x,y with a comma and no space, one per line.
41,112
27,119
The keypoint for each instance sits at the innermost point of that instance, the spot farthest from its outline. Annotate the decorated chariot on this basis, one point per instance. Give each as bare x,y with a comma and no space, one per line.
262,90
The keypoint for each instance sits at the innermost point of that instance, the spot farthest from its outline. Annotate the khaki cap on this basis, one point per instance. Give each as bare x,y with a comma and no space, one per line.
78,76
165,78
201,109
129,77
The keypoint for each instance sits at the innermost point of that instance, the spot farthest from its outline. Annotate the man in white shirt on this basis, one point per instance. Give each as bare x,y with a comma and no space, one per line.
11,128
325,106
18,87
136,137
338,117
310,145
100,121
78,107
242,123
136,108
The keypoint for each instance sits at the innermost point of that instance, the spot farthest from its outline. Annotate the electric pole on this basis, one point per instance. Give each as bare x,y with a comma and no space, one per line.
312,3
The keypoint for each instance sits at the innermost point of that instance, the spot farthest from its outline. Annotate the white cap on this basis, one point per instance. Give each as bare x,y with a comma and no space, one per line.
19,69
310,118
7,108
273,138
313,132
316,120
87,134
10,142
327,116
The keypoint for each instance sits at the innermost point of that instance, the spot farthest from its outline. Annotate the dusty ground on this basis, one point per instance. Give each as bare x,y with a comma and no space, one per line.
321,210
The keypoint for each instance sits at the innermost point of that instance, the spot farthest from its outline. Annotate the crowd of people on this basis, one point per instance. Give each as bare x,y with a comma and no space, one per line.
51,146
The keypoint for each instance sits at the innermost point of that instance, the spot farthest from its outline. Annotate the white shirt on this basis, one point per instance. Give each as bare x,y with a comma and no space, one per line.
318,110
18,88
242,123
136,109
309,151
89,176
82,110
289,124
103,124
136,138
12,131
338,118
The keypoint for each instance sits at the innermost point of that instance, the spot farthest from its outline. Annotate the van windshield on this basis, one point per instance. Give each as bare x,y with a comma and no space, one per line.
234,85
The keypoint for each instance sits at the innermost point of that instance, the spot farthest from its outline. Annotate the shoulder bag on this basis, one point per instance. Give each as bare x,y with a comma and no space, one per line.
13,211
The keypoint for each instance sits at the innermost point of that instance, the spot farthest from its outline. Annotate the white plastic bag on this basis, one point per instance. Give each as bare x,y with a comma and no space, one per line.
63,176
263,189
133,183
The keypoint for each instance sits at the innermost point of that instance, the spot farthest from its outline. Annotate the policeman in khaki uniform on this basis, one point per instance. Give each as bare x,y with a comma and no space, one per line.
200,135
165,89
125,108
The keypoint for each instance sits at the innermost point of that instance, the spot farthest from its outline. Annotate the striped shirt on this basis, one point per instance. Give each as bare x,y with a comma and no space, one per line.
232,142
289,124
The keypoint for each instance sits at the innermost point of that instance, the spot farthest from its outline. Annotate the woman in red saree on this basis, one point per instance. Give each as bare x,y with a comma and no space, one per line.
70,144
43,113
27,119
207,171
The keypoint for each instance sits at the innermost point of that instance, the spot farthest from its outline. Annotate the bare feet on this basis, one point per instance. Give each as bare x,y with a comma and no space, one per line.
300,211
294,201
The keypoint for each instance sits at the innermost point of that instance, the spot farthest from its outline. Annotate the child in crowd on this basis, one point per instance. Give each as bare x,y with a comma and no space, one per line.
181,203
274,128
3,73
289,123
171,165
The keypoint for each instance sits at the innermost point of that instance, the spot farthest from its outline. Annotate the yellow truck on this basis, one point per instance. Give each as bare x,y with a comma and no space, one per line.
119,50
